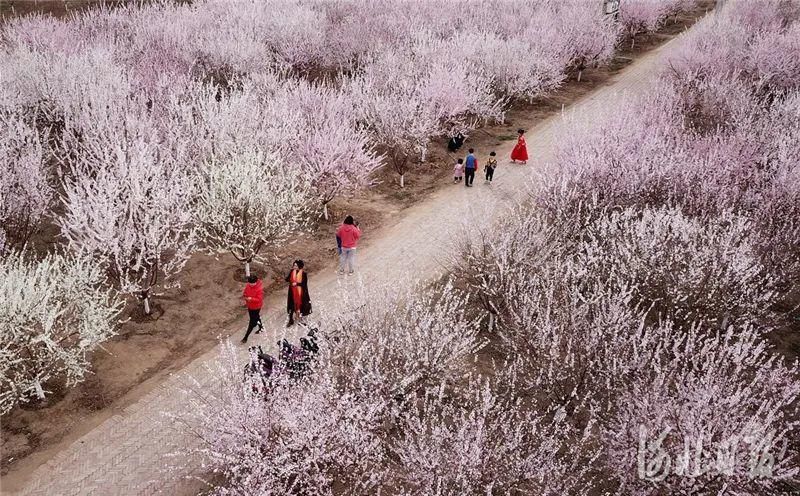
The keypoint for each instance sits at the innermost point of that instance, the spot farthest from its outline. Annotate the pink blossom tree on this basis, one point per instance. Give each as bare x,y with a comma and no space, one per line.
333,429
413,339
485,442
642,16
399,121
705,411
590,38
308,437
580,343
335,156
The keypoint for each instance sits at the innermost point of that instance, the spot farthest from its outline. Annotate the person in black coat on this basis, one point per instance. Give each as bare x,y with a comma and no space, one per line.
455,142
298,301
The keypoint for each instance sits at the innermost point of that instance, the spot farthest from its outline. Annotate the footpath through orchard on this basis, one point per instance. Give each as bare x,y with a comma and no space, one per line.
128,453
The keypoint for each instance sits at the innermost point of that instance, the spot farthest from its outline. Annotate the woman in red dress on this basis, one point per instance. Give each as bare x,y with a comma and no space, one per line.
298,302
520,152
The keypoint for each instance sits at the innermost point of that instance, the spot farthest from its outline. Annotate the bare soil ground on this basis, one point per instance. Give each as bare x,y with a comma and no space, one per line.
189,321
57,8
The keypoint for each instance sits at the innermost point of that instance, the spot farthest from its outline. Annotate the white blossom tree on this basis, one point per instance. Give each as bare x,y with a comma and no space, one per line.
53,312
247,201
25,191
127,200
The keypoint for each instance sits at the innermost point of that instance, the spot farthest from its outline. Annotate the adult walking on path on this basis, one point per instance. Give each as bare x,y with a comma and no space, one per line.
253,295
298,301
520,152
349,233
470,166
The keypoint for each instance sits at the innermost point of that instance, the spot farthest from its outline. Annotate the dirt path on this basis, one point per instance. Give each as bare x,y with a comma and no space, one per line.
126,454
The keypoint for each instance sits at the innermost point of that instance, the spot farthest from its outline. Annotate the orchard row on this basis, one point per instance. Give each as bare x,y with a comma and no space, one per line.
621,344
142,134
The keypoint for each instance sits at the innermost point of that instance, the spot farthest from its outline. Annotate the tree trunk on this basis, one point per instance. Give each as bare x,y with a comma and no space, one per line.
325,211
147,305
402,180
424,155
39,391
580,73
247,269
491,321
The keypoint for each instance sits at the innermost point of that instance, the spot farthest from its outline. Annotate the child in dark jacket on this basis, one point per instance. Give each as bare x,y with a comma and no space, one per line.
491,165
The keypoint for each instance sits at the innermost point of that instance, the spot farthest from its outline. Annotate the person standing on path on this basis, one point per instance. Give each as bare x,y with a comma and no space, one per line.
253,295
520,152
298,301
470,166
349,234
491,164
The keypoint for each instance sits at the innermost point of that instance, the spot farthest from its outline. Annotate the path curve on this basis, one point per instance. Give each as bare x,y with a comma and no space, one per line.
126,454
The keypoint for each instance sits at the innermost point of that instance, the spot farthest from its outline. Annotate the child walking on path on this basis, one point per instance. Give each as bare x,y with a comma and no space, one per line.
253,295
491,164
458,170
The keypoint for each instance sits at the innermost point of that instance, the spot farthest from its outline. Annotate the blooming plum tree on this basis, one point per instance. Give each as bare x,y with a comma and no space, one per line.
485,443
53,312
704,410
323,139
25,191
331,429
398,119
407,340
247,201
642,16
307,436
127,201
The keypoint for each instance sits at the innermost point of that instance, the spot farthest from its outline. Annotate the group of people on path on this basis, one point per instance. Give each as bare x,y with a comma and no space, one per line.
298,299
465,168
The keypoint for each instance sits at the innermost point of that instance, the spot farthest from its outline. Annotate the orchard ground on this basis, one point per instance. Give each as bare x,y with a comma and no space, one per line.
148,349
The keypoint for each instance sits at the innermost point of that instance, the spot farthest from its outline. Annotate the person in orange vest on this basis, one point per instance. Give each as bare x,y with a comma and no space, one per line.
253,296
298,301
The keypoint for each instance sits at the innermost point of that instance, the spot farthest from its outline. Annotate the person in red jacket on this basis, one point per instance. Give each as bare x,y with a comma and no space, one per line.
349,233
253,295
